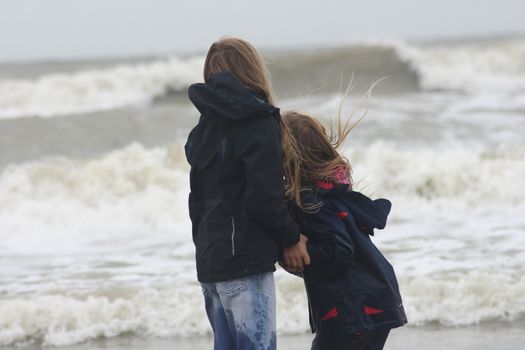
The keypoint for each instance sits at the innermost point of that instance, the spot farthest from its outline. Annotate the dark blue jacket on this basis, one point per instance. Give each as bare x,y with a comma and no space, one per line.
350,284
239,215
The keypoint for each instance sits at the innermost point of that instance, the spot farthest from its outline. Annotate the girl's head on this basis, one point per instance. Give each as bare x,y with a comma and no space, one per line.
240,58
311,153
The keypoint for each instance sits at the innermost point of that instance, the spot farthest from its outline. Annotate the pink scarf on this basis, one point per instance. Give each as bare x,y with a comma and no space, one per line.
340,176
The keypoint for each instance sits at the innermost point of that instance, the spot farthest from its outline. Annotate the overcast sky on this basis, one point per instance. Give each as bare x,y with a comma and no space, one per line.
40,29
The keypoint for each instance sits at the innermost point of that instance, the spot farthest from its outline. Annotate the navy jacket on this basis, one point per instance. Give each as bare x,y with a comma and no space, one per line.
350,284
237,207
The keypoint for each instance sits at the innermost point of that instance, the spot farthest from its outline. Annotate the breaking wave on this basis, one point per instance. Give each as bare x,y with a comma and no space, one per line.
111,251
97,90
466,67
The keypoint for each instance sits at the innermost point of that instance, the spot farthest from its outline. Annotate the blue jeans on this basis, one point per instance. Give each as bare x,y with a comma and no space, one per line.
242,312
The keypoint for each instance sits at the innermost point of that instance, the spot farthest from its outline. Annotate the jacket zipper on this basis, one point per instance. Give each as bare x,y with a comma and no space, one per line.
233,235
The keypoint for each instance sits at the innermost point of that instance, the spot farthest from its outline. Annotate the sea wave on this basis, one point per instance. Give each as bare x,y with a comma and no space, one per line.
96,90
469,67
178,311
97,198
40,190
102,247
466,176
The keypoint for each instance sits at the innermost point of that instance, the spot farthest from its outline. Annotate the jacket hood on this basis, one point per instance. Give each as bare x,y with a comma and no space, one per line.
368,214
222,101
225,97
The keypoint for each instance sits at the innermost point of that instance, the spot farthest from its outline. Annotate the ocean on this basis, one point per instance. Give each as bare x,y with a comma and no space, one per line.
95,241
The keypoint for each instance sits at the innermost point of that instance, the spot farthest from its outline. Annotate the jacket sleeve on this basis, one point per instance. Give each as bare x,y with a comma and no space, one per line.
330,247
260,154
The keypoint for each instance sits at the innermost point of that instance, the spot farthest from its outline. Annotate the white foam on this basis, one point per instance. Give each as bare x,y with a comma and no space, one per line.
468,67
63,320
466,299
103,247
473,67
95,90
467,176
150,184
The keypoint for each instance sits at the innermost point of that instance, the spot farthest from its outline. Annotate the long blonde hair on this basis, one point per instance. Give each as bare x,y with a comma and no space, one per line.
312,154
240,58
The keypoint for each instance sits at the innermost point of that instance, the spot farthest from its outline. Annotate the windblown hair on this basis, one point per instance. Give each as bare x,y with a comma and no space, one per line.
310,152
240,58
311,155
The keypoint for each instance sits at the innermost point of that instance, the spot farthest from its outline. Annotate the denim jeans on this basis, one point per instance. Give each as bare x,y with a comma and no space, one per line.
242,312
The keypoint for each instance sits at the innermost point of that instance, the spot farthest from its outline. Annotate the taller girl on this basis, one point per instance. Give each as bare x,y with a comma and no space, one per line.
237,204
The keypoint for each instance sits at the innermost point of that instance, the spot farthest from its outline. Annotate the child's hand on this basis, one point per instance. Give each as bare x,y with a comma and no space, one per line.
296,256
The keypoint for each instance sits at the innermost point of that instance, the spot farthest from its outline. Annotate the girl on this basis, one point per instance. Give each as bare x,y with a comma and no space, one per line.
239,215
352,290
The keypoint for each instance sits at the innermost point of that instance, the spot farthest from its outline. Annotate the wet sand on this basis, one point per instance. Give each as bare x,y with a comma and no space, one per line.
500,336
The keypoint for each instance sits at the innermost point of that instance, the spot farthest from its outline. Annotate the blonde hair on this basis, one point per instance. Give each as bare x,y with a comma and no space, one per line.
240,58
312,156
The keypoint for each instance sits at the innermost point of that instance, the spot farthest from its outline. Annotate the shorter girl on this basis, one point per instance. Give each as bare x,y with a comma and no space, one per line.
352,290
